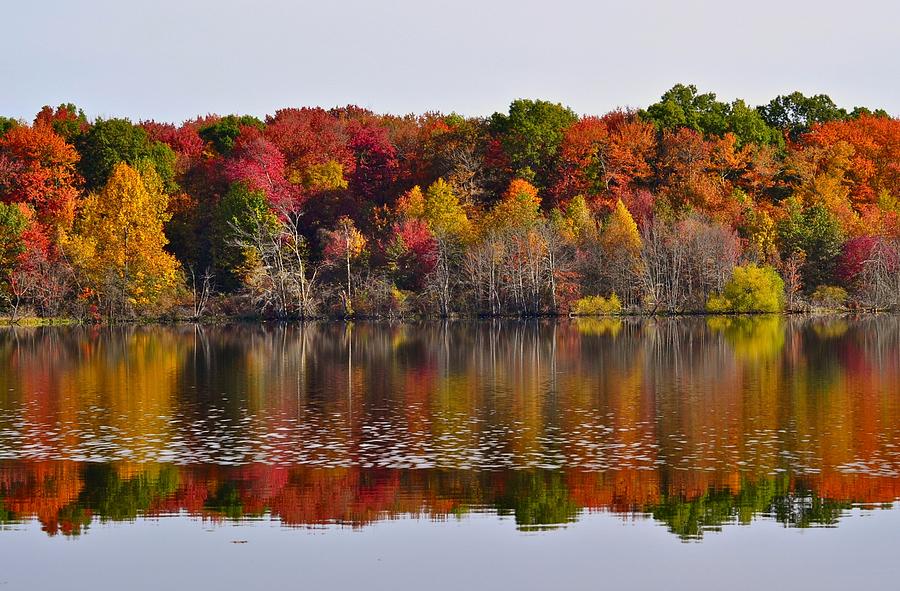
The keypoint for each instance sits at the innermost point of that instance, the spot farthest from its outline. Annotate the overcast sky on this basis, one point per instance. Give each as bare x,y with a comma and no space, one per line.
174,59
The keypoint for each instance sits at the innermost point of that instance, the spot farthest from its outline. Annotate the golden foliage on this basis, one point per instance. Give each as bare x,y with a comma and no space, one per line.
118,245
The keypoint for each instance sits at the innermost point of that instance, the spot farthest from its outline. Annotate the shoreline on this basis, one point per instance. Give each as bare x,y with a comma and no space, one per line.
38,322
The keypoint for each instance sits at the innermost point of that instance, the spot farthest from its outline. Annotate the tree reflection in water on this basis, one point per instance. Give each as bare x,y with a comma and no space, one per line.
694,423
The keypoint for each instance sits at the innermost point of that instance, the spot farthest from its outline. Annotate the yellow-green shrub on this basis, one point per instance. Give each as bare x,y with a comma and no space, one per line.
829,297
598,306
751,289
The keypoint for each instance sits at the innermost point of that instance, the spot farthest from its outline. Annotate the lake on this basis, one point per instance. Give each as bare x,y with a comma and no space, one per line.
687,453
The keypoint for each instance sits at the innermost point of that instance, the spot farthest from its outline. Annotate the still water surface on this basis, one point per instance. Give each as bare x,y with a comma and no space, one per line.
687,453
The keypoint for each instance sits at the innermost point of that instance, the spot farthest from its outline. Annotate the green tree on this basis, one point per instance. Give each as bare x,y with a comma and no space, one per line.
111,141
858,112
236,215
7,123
816,233
531,134
750,128
682,106
67,120
796,112
537,499
13,223
223,133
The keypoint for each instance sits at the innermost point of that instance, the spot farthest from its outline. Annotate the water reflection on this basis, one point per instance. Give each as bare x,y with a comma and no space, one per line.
67,497
694,423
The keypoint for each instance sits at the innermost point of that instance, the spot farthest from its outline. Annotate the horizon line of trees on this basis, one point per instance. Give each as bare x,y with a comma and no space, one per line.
691,204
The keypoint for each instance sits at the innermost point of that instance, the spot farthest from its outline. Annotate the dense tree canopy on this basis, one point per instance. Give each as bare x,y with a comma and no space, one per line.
111,141
314,211
37,168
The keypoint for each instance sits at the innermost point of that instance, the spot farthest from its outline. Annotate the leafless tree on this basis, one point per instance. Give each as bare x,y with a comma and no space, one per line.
442,282
682,263
39,284
793,278
278,276
517,270
880,277
201,290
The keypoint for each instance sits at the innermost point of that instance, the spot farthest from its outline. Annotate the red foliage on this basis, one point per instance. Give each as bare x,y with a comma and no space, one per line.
640,205
855,253
376,163
185,141
696,173
37,167
63,120
308,137
419,243
258,163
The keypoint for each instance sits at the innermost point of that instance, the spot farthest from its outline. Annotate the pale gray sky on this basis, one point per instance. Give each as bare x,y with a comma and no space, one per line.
173,59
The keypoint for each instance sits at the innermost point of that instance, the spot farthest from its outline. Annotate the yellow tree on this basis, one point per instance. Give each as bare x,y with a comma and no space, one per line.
444,213
520,207
411,204
440,208
621,246
575,222
118,245
512,265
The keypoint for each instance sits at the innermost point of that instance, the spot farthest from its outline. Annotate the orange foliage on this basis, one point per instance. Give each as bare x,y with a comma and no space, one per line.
874,164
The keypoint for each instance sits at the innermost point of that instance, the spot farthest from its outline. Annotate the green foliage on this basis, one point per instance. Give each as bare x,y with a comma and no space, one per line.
537,499
775,496
111,141
682,106
796,113
106,494
829,297
223,133
226,501
68,121
858,112
7,516
751,289
7,123
598,306
237,213
815,232
531,135
750,128
13,223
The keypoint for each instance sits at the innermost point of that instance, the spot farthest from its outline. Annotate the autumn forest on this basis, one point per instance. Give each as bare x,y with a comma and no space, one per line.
689,205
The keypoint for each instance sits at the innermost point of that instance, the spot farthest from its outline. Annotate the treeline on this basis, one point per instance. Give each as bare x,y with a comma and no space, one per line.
691,204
